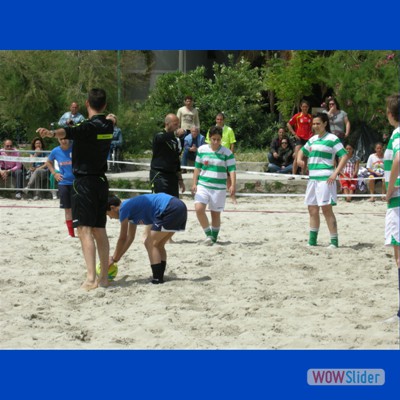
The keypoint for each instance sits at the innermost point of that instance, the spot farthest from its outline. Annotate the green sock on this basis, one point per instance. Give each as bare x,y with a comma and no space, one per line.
214,233
208,233
312,239
335,240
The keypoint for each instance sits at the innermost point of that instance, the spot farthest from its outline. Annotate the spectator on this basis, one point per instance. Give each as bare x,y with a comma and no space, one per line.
338,119
283,164
38,172
300,127
348,175
188,115
116,145
164,213
191,144
72,117
228,135
228,141
321,150
213,161
62,154
92,139
375,167
276,143
11,169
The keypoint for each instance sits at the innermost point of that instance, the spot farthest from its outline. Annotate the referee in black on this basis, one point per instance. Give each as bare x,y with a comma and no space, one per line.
165,167
92,139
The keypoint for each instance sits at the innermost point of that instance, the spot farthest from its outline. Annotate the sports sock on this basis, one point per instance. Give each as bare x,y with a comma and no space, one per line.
158,273
312,239
70,227
207,231
214,233
163,267
335,240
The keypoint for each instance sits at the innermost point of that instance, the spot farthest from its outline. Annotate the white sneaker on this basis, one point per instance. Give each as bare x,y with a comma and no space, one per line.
54,197
18,196
208,241
35,198
332,246
25,189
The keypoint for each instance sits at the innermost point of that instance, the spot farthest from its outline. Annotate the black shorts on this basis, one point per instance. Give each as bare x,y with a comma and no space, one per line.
89,201
164,183
173,219
65,193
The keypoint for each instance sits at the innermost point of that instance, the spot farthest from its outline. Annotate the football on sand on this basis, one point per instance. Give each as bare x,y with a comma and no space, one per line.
112,271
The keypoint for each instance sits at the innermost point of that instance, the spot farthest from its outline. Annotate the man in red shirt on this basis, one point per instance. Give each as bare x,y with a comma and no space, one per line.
300,127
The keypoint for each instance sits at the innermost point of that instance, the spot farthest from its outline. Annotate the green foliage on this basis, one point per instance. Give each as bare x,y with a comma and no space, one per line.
362,80
294,79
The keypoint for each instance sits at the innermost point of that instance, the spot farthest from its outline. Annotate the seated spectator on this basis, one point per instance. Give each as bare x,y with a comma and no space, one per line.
276,143
191,143
376,170
116,144
38,171
284,162
348,175
72,117
11,170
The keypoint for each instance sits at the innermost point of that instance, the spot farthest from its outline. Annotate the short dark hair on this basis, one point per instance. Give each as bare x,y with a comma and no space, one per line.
188,98
215,130
393,105
113,201
97,99
329,99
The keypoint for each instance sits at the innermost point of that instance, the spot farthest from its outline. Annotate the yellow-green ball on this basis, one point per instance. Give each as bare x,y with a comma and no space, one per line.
112,271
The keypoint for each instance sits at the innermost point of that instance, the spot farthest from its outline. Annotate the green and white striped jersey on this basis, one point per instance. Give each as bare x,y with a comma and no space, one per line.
321,152
391,150
214,166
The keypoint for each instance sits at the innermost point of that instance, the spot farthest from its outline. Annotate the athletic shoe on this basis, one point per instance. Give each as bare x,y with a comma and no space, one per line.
18,196
208,241
311,245
35,198
25,189
332,246
54,196
156,281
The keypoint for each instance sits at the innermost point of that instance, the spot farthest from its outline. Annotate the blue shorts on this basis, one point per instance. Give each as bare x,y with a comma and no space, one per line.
65,193
173,219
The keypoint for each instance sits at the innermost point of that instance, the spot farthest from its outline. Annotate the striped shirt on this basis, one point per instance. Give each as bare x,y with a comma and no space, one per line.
321,152
390,153
213,166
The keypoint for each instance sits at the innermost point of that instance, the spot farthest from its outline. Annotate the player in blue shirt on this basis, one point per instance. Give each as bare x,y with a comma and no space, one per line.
166,214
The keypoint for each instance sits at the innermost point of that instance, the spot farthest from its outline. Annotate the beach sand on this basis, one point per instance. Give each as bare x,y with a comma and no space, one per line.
260,287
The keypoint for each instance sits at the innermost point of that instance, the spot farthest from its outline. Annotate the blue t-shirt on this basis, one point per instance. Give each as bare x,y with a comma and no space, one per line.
143,209
63,157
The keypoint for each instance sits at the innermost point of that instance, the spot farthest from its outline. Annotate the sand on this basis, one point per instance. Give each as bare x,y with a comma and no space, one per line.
260,287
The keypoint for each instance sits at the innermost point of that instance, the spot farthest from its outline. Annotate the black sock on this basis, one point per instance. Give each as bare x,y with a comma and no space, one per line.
163,267
158,273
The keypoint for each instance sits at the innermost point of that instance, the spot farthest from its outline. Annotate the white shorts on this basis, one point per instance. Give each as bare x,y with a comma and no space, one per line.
214,198
392,224
320,193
